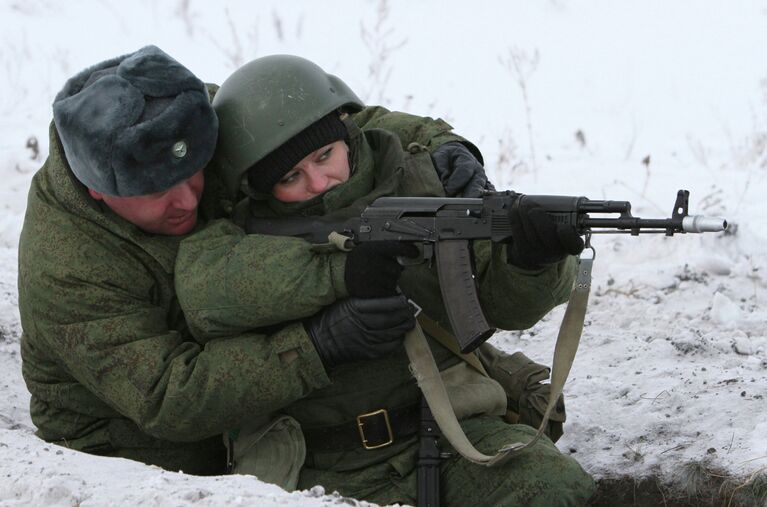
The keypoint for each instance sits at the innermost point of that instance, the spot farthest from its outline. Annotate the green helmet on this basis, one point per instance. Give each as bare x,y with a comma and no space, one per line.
268,101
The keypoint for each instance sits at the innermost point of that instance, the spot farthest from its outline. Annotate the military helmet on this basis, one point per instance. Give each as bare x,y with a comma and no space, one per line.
265,103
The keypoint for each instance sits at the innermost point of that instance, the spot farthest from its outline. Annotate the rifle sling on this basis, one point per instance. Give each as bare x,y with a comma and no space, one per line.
429,380
447,340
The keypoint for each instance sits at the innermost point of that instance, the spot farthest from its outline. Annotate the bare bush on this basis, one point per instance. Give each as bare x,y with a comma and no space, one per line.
280,25
382,44
522,66
188,17
235,51
750,151
277,23
713,203
632,140
646,164
14,60
507,164
699,151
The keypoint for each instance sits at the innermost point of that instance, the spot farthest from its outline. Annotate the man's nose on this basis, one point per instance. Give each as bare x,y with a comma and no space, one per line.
185,197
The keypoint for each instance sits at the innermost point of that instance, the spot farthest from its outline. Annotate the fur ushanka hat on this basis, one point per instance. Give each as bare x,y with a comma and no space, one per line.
136,124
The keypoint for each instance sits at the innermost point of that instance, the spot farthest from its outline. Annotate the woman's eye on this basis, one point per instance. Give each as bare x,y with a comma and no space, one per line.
325,154
290,178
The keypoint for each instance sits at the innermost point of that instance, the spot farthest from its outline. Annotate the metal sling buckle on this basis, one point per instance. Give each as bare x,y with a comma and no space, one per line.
360,425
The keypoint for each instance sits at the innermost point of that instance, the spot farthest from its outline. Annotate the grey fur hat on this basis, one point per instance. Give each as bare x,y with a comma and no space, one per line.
136,124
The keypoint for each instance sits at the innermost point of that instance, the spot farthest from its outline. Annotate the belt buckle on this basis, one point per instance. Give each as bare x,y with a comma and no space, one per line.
361,424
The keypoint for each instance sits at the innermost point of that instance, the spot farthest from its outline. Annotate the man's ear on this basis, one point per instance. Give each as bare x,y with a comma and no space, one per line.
96,194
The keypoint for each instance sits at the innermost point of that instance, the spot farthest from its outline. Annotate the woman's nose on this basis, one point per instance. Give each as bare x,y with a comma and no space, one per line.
317,181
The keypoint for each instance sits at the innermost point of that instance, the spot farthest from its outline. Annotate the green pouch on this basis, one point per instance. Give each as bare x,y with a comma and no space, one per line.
274,452
472,393
522,379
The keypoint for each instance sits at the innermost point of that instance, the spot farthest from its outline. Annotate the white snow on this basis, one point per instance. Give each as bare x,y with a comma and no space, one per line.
673,362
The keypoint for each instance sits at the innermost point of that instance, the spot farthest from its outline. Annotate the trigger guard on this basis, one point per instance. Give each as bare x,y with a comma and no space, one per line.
424,255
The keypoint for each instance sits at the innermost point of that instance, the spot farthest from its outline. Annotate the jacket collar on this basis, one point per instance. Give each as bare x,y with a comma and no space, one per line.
63,190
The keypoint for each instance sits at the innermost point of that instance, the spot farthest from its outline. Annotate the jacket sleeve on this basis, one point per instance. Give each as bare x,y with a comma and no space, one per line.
511,298
516,298
222,275
423,130
107,330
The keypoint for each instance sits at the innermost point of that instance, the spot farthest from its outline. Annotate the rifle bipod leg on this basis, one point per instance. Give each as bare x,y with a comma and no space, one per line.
429,458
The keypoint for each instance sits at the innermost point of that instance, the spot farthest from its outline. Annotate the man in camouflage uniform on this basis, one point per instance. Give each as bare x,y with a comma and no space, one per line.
356,432
107,356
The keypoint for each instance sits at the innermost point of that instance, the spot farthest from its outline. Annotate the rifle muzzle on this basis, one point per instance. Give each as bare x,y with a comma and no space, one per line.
699,223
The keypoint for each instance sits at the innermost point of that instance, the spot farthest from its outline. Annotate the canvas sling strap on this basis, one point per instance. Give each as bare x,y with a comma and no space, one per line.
447,340
429,380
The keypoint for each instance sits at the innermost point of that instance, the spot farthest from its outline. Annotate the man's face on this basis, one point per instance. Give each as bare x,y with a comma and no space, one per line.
172,212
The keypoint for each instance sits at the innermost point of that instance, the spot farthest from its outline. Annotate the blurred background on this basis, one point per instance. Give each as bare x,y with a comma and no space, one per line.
533,84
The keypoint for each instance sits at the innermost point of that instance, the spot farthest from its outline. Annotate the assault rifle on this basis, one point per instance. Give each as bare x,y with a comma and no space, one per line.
445,226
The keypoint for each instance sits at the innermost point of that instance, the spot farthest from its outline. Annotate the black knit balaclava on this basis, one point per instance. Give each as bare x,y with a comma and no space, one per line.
265,173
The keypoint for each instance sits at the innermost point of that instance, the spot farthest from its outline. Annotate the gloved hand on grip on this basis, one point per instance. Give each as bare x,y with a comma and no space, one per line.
537,239
461,174
358,329
372,270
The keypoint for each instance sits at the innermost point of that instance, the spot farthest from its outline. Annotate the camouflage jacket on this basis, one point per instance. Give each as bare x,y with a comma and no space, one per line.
106,354
229,282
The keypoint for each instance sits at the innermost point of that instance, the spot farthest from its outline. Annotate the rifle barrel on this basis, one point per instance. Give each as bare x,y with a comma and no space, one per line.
692,224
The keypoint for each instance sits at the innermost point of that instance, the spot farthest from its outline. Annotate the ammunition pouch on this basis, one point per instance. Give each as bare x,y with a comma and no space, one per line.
527,396
272,449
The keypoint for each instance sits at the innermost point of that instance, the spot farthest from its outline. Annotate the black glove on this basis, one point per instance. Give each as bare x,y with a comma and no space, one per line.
460,172
372,270
359,329
536,239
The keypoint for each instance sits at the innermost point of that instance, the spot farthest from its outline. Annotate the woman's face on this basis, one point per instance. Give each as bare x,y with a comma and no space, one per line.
316,173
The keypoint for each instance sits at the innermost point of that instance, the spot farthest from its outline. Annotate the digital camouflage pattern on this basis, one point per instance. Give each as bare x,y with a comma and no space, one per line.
106,355
428,132
538,477
228,281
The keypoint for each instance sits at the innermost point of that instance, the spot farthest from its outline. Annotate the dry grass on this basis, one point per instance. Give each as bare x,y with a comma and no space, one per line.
697,483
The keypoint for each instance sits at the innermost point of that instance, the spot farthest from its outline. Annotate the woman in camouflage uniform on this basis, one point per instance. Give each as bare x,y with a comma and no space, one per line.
284,125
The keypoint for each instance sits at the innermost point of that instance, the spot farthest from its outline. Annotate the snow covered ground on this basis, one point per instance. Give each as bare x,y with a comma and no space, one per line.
609,99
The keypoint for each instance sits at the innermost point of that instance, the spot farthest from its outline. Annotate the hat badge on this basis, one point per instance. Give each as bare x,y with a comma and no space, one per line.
179,149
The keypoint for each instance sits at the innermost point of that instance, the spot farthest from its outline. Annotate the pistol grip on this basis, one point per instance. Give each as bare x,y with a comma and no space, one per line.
459,293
